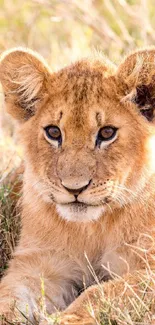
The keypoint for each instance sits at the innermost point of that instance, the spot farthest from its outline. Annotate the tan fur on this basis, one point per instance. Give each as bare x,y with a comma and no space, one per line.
113,230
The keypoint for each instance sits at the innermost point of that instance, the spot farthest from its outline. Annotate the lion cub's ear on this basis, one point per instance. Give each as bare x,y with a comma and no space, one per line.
136,80
24,76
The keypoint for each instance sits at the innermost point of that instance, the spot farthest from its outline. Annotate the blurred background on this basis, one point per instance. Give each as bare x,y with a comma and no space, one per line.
65,30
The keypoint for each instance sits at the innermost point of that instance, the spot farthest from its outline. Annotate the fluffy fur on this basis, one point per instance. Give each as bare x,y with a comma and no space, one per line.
61,239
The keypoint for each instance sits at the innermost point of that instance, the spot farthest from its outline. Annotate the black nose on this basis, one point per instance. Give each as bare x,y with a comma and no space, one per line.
77,191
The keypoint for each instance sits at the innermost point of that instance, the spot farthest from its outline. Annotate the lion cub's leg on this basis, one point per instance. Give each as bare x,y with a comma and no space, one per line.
136,287
35,284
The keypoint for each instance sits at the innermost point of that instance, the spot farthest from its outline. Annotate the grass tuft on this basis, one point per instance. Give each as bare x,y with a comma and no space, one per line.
9,223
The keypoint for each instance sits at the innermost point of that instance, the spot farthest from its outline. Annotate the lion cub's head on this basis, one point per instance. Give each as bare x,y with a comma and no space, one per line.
85,129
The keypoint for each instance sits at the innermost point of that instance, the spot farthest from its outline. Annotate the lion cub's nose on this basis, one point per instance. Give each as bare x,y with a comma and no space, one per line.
75,189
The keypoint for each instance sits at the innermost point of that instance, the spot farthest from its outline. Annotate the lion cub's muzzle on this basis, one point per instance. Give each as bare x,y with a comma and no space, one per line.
80,207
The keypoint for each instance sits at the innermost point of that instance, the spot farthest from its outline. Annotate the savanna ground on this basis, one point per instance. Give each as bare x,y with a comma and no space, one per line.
63,31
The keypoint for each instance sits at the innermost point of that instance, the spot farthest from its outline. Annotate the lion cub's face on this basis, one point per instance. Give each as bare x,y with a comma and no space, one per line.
85,150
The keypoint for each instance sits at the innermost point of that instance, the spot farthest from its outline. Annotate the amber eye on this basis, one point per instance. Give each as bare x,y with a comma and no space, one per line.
53,133
105,134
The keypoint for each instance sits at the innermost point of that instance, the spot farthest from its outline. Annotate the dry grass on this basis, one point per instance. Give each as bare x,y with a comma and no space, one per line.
9,224
9,214
135,310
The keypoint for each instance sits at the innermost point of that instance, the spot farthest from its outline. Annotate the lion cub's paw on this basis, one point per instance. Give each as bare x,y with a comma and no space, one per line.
68,319
74,319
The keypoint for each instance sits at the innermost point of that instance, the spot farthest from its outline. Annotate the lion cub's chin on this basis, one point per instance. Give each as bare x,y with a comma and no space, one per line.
79,212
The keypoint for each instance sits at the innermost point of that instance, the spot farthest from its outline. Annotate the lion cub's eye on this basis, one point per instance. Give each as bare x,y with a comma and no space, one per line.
107,133
53,133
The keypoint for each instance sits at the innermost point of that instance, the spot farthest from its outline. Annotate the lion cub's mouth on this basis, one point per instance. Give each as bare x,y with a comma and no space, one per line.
78,206
79,211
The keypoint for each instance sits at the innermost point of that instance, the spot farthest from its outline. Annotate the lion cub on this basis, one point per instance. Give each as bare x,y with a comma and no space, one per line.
89,183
